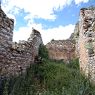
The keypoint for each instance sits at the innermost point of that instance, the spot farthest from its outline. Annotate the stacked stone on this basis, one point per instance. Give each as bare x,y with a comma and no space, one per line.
87,42
75,38
15,58
36,38
6,34
61,50
22,54
6,26
21,57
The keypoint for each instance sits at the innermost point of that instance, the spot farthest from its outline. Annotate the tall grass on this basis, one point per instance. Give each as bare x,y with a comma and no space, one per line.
50,78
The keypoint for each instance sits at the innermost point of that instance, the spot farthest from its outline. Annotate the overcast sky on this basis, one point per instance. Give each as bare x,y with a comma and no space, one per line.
55,19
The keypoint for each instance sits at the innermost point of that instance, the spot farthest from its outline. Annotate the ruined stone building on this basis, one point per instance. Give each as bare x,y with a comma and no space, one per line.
16,57
84,47
61,50
86,42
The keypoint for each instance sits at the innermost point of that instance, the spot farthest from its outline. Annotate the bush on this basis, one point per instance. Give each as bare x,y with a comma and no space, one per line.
43,52
74,64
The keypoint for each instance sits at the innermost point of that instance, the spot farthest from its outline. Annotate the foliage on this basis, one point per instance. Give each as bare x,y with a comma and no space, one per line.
50,78
88,46
74,64
43,52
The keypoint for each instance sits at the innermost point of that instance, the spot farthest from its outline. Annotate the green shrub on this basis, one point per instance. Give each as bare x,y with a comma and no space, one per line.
43,52
74,64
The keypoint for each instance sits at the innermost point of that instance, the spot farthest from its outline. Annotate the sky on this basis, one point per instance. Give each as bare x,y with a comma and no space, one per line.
54,19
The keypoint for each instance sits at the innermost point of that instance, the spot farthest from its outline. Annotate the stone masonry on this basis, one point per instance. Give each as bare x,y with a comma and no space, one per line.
86,42
16,57
61,50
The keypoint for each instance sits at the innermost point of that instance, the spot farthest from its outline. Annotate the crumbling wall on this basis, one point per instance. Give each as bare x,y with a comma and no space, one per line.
6,34
16,57
61,50
87,42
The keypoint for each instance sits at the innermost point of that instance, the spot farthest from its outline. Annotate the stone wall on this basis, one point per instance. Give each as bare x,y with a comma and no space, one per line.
16,57
61,50
76,38
86,42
